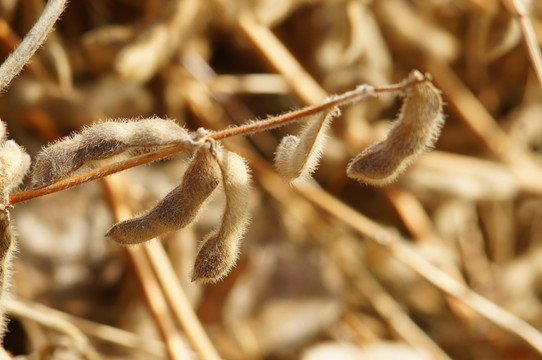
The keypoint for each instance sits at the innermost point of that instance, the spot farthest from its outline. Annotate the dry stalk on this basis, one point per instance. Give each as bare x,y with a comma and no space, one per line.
398,248
521,13
32,41
274,51
388,308
153,294
484,126
51,321
106,333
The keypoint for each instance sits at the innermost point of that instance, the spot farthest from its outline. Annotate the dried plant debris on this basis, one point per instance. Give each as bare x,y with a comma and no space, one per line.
178,209
415,131
219,250
132,59
297,157
140,60
101,141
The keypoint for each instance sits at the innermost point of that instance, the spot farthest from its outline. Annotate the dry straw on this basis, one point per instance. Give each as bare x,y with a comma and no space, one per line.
154,53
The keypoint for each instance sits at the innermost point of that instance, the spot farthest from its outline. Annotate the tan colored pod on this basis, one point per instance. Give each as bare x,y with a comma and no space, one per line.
101,141
296,157
14,163
416,130
6,252
178,209
220,249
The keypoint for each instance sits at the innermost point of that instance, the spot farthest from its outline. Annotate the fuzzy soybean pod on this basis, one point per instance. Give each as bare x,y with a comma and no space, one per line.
220,249
298,156
415,131
14,163
178,209
101,141
6,252
3,131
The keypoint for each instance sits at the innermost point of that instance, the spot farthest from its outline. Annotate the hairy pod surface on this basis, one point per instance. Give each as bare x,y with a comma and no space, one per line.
178,209
14,163
296,157
220,249
6,251
416,130
101,141
3,132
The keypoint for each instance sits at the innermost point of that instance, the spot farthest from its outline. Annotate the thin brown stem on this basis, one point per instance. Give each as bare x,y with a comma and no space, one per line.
95,174
32,41
246,129
521,13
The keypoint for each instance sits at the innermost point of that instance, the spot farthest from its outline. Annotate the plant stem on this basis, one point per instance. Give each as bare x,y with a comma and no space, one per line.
32,41
340,100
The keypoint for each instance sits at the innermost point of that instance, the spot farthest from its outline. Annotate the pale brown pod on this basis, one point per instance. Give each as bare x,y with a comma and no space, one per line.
6,251
297,157
14,163
220,249
101,141
415,131
3,131
178,209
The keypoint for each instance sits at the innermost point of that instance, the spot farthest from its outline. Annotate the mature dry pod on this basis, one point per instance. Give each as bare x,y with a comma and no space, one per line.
3,131
6,251
14,163
178,209
101,141
297,157
219,251
416,130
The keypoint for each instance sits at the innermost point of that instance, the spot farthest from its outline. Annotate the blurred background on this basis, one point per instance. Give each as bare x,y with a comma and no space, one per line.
307,285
